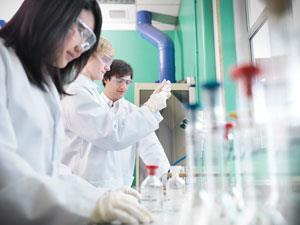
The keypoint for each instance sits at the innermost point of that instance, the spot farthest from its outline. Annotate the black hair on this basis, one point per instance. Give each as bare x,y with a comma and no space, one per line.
37,31
118,68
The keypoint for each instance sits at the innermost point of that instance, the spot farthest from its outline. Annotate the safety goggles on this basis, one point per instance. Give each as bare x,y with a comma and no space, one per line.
87,36
105,59
121,81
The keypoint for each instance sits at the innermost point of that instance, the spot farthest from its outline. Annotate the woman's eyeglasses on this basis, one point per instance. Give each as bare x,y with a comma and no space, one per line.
87,36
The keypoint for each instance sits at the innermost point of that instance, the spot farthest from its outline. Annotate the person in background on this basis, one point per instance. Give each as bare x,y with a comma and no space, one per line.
44,46
108,167
95,130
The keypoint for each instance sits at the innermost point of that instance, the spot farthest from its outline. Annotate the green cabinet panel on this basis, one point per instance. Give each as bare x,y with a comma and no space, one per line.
229,52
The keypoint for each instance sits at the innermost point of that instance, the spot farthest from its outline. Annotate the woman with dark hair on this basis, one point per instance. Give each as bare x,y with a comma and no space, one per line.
44,46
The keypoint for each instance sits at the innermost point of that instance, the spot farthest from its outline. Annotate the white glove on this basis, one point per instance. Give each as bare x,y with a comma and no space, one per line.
158,99
130,191
164,86
117,206
156,102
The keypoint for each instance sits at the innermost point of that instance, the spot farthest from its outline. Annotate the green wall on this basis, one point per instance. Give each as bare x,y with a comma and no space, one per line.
196,39
229,53
185,41
195,44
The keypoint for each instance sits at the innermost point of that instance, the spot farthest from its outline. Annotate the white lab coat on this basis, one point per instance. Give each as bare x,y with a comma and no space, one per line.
97,153
96,126
31,133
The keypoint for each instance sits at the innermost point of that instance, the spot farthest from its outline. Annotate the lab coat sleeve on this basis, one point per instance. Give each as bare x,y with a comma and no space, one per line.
152,152
27,197
89,120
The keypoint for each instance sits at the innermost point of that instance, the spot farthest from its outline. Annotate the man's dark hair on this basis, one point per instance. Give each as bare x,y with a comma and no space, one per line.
118,68
37,32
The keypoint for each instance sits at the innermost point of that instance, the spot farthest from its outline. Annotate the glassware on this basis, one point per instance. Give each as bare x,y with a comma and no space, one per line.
222,210
194,209
244,144
152,191
214,147
175,189
283,107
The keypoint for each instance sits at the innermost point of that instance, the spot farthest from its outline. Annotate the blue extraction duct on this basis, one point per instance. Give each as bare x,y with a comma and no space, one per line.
164,44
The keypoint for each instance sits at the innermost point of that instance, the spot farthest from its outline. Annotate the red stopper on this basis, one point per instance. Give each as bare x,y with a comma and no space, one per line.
246,72
151,169
228,127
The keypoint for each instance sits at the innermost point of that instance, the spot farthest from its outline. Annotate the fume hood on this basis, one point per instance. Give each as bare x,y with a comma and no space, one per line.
171,132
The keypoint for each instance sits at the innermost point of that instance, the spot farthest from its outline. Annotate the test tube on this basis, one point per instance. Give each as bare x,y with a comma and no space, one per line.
214,155
196,204
244,139
223,209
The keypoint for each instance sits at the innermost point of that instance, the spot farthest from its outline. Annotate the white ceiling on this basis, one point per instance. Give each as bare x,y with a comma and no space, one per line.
8,8
118,16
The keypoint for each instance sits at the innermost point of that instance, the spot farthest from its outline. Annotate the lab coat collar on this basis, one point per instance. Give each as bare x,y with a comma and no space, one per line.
86,81
109,102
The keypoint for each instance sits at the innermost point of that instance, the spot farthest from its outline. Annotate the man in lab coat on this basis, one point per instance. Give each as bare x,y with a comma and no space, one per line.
109,167
97,134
